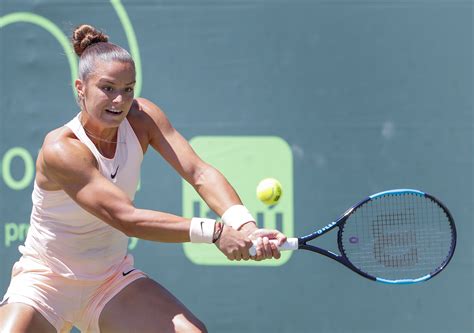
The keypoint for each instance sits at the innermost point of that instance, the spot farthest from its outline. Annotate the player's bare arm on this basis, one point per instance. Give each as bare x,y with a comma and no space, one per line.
206,180
70,166
211,184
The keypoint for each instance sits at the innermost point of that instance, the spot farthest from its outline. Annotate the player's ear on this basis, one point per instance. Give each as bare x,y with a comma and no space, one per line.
79,88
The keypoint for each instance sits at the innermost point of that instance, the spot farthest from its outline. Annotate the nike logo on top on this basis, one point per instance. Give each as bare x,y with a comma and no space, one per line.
112,175
125,274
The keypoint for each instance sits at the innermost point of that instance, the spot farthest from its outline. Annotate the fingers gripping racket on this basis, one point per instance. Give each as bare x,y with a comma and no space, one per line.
397,236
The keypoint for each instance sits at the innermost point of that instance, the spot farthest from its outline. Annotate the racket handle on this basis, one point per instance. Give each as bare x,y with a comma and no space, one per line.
291,244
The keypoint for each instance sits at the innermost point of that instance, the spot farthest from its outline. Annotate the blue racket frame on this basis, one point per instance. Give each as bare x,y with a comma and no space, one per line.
341,258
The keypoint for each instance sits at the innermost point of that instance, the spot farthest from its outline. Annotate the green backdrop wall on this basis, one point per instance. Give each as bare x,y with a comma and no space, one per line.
340,99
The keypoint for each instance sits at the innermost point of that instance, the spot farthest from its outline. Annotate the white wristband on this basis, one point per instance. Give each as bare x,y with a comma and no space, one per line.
201,230
236,216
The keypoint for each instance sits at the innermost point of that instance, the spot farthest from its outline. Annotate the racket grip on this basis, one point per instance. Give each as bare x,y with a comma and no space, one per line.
291,244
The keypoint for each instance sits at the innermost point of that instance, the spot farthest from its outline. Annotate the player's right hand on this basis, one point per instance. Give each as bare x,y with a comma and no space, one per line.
234,244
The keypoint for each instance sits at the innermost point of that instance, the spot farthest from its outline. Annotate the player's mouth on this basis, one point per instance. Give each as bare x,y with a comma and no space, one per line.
114,111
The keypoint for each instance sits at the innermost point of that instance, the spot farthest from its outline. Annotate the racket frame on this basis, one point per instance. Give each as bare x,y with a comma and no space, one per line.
341,258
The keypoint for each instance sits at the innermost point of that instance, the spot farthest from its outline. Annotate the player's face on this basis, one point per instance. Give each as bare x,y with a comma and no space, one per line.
107,94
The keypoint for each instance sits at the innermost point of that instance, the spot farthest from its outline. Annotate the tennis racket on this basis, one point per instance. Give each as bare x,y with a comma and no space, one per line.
398,237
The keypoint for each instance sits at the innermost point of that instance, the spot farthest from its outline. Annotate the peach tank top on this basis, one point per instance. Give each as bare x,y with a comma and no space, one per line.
72,242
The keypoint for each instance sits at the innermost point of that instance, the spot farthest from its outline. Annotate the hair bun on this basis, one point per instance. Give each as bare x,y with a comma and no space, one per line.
86,35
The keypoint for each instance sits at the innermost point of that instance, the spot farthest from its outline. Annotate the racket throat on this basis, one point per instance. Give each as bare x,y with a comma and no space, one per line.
326,253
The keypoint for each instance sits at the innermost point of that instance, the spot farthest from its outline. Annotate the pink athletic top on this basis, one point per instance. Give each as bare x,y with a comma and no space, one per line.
72,242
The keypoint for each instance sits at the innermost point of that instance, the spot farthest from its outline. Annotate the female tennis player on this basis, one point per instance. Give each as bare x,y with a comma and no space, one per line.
74,268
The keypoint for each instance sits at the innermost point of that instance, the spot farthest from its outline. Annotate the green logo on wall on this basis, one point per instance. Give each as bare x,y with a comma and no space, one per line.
244,161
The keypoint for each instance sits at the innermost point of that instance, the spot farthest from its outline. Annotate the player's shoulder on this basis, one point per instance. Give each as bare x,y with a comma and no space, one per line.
143,109
62,147
62,138
146,114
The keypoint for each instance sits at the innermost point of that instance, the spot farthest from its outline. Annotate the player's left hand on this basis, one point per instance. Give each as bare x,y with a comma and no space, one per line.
264,248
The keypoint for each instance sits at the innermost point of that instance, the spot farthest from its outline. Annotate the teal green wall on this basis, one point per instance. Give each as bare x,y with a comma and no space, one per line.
366,96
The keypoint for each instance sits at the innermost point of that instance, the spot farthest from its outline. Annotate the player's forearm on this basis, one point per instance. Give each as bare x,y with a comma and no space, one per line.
216,191
219,194
155,226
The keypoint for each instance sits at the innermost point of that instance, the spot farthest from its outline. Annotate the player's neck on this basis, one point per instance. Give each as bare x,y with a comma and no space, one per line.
96,133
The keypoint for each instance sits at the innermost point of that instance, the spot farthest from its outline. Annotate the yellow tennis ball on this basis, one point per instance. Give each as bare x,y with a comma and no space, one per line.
269,191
